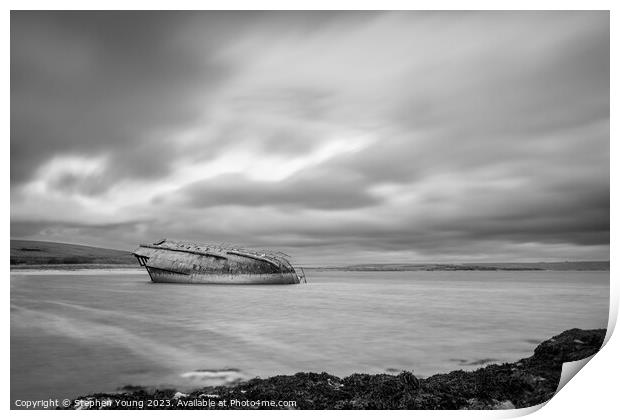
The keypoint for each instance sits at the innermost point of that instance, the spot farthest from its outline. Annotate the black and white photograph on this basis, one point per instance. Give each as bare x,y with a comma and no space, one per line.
306,209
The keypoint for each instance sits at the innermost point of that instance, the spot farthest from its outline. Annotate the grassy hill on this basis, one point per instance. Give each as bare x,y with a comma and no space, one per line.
54,253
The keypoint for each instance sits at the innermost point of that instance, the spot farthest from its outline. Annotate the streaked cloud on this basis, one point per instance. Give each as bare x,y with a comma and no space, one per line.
336,136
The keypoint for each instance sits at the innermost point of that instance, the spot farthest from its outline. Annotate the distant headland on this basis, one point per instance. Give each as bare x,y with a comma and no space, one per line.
27,254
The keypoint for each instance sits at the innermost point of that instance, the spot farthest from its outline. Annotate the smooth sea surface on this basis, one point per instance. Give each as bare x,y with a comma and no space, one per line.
85,332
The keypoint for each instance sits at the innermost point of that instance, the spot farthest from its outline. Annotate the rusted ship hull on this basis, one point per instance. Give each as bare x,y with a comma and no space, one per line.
184,262
160,276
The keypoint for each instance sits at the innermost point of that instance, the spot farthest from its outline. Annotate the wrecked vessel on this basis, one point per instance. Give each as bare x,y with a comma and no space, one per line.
169,261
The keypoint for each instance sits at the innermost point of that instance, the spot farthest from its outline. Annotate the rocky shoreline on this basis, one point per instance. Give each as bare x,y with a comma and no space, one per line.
525,383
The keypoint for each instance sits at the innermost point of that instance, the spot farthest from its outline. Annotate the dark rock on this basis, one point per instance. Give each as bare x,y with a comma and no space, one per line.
571,345
528,382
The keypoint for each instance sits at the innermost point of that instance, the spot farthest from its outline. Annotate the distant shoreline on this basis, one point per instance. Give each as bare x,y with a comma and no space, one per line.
72,267
88,267
515,266
573,266
83,269
37,255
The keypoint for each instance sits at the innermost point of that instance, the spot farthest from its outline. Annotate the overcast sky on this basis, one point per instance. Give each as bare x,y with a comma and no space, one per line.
336,137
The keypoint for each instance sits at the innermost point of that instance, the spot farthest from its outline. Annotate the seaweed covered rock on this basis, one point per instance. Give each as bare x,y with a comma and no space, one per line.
569,346
380,391
528,382
308,390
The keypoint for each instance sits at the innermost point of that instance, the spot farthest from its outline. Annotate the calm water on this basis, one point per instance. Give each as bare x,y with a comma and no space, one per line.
73,334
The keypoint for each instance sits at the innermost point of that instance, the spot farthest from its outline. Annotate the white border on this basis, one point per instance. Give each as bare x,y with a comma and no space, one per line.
592,395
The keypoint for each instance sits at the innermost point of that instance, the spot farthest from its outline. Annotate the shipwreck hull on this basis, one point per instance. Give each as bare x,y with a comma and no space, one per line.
191,263
161,276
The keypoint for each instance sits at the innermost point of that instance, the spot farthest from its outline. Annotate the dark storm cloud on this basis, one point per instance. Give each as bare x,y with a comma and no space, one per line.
391,136
329,189
120,82
105,82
